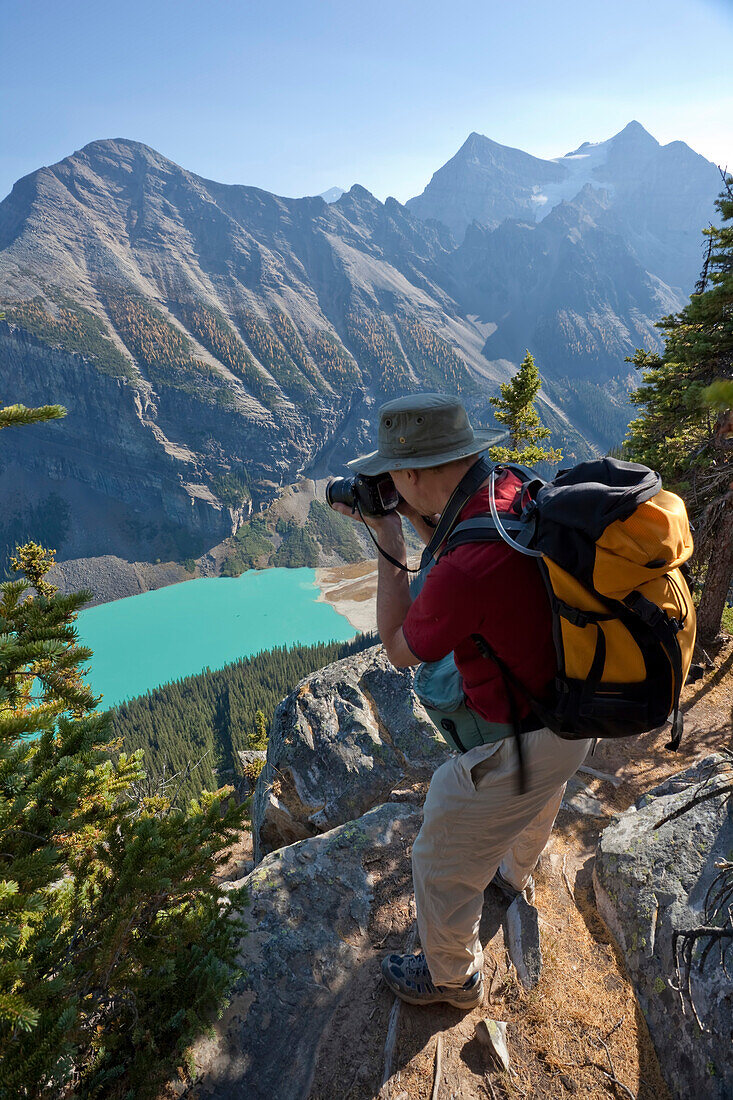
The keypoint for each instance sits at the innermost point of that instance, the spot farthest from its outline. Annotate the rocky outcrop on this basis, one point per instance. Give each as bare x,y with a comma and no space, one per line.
652,882
340,743
320,913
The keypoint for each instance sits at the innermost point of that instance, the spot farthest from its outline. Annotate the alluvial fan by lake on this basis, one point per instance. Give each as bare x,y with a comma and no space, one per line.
146,640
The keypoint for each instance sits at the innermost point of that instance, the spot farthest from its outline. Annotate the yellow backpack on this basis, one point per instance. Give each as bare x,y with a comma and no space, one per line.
610,543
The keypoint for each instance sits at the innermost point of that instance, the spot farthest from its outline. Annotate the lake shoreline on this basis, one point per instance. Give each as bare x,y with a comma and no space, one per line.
351,590
112,578
181,629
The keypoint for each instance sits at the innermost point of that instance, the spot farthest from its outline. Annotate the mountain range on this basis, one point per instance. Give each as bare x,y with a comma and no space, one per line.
213,343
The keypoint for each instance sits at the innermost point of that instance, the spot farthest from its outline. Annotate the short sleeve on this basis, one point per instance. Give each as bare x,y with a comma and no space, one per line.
443,614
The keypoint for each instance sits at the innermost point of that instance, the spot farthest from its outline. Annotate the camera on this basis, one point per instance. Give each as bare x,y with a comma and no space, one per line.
375,496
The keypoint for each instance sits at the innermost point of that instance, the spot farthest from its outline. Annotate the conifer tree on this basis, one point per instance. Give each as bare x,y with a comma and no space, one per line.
116,947
259,737
515,409
685,426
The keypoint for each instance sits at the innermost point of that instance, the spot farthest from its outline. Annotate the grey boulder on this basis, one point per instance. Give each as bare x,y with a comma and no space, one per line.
522,934
650,883
340,743
321,914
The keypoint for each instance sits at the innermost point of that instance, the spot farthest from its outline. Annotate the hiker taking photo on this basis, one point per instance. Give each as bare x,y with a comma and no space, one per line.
515,650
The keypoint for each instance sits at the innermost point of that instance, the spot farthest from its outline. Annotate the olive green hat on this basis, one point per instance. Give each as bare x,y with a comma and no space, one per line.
423,429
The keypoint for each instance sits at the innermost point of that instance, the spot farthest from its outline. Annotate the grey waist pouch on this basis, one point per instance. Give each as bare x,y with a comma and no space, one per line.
439,687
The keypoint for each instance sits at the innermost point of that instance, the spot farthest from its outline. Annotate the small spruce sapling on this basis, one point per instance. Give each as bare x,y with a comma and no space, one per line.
515,409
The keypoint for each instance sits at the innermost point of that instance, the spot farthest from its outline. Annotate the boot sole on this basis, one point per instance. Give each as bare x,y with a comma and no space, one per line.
440,1000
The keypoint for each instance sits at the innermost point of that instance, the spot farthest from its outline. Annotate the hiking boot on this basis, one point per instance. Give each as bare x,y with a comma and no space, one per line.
409,977
510,891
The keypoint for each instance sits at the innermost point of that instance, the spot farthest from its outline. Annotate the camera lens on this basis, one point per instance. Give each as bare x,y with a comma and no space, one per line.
341,491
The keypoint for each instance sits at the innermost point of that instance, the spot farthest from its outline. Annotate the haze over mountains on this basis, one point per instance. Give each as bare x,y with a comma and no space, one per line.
332,194
654,196
206,336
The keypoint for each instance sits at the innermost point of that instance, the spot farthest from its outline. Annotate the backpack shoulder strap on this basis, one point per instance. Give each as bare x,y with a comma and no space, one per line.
479,529
483,528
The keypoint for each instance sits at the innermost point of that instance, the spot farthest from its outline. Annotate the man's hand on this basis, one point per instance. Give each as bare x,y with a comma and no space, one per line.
390,522
393,592
423,530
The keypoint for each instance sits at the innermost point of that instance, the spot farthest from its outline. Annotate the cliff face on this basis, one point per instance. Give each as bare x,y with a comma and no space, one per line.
106,459
210,343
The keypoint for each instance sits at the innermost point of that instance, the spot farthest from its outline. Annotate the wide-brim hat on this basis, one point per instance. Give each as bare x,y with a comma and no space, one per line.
424,429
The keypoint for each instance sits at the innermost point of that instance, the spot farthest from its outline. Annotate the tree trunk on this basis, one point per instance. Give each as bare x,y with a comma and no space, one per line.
718,578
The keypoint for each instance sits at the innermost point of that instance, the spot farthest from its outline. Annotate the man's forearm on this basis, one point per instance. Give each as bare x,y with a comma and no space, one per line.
393,590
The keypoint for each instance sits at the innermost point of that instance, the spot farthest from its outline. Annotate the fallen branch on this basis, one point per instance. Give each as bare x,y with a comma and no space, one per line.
725,788
608,1055
614,780
612,1077
615,1027
438,1067
492,980
566,879
489,1087
683,945
610,1062
394,1017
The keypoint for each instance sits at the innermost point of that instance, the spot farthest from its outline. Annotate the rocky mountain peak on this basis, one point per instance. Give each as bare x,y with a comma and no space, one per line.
108,157
356,191
647,202
634,132
332,194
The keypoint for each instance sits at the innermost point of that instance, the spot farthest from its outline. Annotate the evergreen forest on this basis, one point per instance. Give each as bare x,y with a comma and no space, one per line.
194,727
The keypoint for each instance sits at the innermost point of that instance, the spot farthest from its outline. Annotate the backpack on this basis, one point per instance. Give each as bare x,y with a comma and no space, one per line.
610,544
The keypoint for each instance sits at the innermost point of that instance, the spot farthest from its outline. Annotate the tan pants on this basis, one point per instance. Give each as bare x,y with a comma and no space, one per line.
476,821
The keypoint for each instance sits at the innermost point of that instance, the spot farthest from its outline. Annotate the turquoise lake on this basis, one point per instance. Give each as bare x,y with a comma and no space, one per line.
143,641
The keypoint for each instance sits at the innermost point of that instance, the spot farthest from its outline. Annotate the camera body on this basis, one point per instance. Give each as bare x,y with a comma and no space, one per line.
375,496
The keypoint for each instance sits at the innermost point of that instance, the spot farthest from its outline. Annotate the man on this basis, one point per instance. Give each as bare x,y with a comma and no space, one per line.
477,825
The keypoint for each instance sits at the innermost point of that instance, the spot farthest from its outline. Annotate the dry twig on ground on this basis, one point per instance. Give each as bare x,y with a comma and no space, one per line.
438,1067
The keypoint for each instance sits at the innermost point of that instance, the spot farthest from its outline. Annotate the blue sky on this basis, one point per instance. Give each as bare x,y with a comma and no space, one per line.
296,97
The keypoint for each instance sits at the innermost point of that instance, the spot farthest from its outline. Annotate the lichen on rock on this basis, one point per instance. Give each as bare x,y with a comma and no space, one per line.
340,743
319,914
652,882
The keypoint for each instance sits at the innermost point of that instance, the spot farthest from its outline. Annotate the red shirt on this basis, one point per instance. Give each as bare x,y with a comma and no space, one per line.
492,590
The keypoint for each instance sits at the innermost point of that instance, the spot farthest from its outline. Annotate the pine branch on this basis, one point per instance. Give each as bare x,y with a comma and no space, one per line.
13,416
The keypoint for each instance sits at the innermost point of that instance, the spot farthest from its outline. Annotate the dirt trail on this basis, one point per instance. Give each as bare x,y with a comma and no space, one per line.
581,1026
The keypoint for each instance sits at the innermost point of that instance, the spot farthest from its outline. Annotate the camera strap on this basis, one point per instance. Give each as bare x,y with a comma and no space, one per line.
469,484
390,559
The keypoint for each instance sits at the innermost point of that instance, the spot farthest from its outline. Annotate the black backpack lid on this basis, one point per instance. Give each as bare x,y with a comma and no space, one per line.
592,495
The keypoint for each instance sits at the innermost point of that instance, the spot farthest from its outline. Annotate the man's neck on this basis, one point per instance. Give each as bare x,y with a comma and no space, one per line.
447,491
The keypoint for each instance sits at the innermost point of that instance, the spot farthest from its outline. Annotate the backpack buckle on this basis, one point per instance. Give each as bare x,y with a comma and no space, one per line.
651,614
573,614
